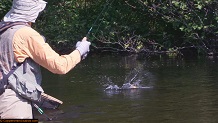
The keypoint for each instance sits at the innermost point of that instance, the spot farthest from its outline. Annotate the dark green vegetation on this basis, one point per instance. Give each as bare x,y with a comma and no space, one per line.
171,26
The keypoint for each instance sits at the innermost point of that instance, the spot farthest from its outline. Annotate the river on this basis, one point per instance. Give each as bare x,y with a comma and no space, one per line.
179,90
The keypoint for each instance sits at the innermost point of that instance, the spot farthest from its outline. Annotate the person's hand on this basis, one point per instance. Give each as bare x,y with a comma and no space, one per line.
83,47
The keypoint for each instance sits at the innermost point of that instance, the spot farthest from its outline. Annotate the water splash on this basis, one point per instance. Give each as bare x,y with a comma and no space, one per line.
126,86
132,81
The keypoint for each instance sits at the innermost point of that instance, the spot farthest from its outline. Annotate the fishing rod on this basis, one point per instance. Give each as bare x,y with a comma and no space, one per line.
41,112
89,31
105,6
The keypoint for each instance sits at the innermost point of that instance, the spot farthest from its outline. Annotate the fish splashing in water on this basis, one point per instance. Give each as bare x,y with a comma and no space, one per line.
132,81
135,85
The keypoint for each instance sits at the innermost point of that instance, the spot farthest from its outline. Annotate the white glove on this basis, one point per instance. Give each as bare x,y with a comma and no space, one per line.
83,47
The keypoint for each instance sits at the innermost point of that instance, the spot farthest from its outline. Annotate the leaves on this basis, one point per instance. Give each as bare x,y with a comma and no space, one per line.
5,6
130,25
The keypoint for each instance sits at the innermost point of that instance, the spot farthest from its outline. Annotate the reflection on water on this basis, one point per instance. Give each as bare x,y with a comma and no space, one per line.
179,91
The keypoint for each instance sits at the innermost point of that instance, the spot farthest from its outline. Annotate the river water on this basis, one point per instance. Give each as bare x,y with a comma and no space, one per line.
181,90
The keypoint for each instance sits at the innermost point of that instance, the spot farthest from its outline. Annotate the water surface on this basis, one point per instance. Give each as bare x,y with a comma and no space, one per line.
180,91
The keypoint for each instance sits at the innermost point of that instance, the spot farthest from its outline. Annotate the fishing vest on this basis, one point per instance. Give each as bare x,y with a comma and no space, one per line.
24,78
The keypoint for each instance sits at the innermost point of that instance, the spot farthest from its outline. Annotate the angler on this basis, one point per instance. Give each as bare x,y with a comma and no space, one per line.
22,51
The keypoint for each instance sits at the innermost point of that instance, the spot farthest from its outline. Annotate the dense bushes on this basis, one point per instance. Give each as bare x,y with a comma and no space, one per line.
131,25
5,5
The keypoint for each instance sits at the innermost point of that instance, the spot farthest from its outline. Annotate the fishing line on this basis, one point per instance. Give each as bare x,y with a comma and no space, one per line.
101,20
105,6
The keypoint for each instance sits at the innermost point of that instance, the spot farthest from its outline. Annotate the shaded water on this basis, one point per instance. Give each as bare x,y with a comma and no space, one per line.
178,91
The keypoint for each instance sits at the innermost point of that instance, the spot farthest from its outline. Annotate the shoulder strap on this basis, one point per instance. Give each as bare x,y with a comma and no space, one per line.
6,76
5,25
4,80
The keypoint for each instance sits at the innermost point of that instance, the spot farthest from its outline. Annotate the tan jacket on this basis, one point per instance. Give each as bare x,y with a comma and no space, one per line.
29,43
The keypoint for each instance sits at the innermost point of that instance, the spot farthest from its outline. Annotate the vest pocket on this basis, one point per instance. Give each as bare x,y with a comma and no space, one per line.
25,88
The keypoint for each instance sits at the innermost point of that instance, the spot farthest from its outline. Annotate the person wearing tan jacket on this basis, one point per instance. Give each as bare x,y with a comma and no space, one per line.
27,43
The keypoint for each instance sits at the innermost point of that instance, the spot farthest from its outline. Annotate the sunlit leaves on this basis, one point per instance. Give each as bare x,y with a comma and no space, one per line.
5,6
130,24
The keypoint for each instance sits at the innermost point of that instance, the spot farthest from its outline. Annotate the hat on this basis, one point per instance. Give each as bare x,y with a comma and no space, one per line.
25,10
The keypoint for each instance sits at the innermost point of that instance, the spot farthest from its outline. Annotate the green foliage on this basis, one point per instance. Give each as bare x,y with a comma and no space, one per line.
5,6
61,21
197,20
131,25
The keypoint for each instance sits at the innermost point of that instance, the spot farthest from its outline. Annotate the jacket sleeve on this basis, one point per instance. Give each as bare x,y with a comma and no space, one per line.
29,43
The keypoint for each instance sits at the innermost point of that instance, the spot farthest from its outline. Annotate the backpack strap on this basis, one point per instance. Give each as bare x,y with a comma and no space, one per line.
5,25
4,80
